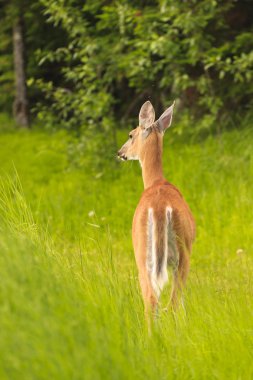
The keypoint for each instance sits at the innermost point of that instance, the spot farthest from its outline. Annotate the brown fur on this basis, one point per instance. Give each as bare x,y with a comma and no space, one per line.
158,195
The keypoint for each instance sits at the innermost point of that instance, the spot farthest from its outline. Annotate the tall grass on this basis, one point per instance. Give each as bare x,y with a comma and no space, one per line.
70,301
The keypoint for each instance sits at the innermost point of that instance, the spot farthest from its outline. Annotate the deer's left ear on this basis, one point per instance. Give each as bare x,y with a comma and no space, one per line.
146,115
165,119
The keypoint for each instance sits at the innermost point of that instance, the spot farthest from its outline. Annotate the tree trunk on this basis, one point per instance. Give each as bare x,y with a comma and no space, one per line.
20,105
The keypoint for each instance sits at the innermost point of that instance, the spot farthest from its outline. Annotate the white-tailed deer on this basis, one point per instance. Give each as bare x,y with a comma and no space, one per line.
163,227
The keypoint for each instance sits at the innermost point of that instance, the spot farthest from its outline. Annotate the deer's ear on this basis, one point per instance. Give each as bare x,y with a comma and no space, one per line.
146,115
165,119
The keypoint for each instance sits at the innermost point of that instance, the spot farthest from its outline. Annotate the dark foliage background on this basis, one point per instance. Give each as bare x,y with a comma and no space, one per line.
93,63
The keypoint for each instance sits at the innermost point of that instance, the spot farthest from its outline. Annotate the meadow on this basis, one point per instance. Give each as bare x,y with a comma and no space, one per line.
70,301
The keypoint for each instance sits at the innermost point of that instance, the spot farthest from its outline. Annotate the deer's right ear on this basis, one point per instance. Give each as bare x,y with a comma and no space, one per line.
165,119
146,115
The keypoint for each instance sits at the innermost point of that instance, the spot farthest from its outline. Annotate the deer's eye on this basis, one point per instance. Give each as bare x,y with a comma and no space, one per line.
130,135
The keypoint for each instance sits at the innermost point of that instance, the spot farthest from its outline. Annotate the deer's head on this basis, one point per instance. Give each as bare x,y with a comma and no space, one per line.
142,137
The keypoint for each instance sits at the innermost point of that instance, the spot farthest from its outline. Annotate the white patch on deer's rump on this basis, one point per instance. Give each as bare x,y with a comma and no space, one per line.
157,280
151,253
151,259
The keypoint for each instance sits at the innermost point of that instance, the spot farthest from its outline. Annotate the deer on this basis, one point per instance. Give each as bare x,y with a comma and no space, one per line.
163,228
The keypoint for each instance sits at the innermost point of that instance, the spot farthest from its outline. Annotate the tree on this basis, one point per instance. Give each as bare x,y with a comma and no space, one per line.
20,105
119,54
6,61
94,63
12,60
24,35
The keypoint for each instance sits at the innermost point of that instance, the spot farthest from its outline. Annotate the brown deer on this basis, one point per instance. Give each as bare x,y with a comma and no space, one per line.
163,227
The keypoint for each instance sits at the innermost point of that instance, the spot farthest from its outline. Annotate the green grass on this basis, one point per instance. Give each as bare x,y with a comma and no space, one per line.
70,302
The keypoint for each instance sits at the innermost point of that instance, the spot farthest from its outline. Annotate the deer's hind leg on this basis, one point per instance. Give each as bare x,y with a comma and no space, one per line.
180,275
149,297
142,245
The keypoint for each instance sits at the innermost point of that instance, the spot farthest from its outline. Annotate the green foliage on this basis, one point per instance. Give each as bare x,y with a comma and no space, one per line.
118,54
94,63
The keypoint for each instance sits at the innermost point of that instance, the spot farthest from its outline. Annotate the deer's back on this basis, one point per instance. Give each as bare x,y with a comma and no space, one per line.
161,196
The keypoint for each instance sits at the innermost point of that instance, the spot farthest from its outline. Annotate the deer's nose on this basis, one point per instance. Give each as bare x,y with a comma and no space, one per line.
122,155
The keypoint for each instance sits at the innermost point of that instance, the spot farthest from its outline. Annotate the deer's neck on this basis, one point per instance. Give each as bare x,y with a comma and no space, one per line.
151,163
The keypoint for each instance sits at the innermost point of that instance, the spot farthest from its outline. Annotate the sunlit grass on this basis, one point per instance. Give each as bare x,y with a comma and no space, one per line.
70,301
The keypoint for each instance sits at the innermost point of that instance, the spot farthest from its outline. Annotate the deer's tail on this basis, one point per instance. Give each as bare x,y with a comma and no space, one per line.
162,247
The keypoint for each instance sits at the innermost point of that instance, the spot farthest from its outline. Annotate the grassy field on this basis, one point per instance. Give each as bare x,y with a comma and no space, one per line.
70,302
